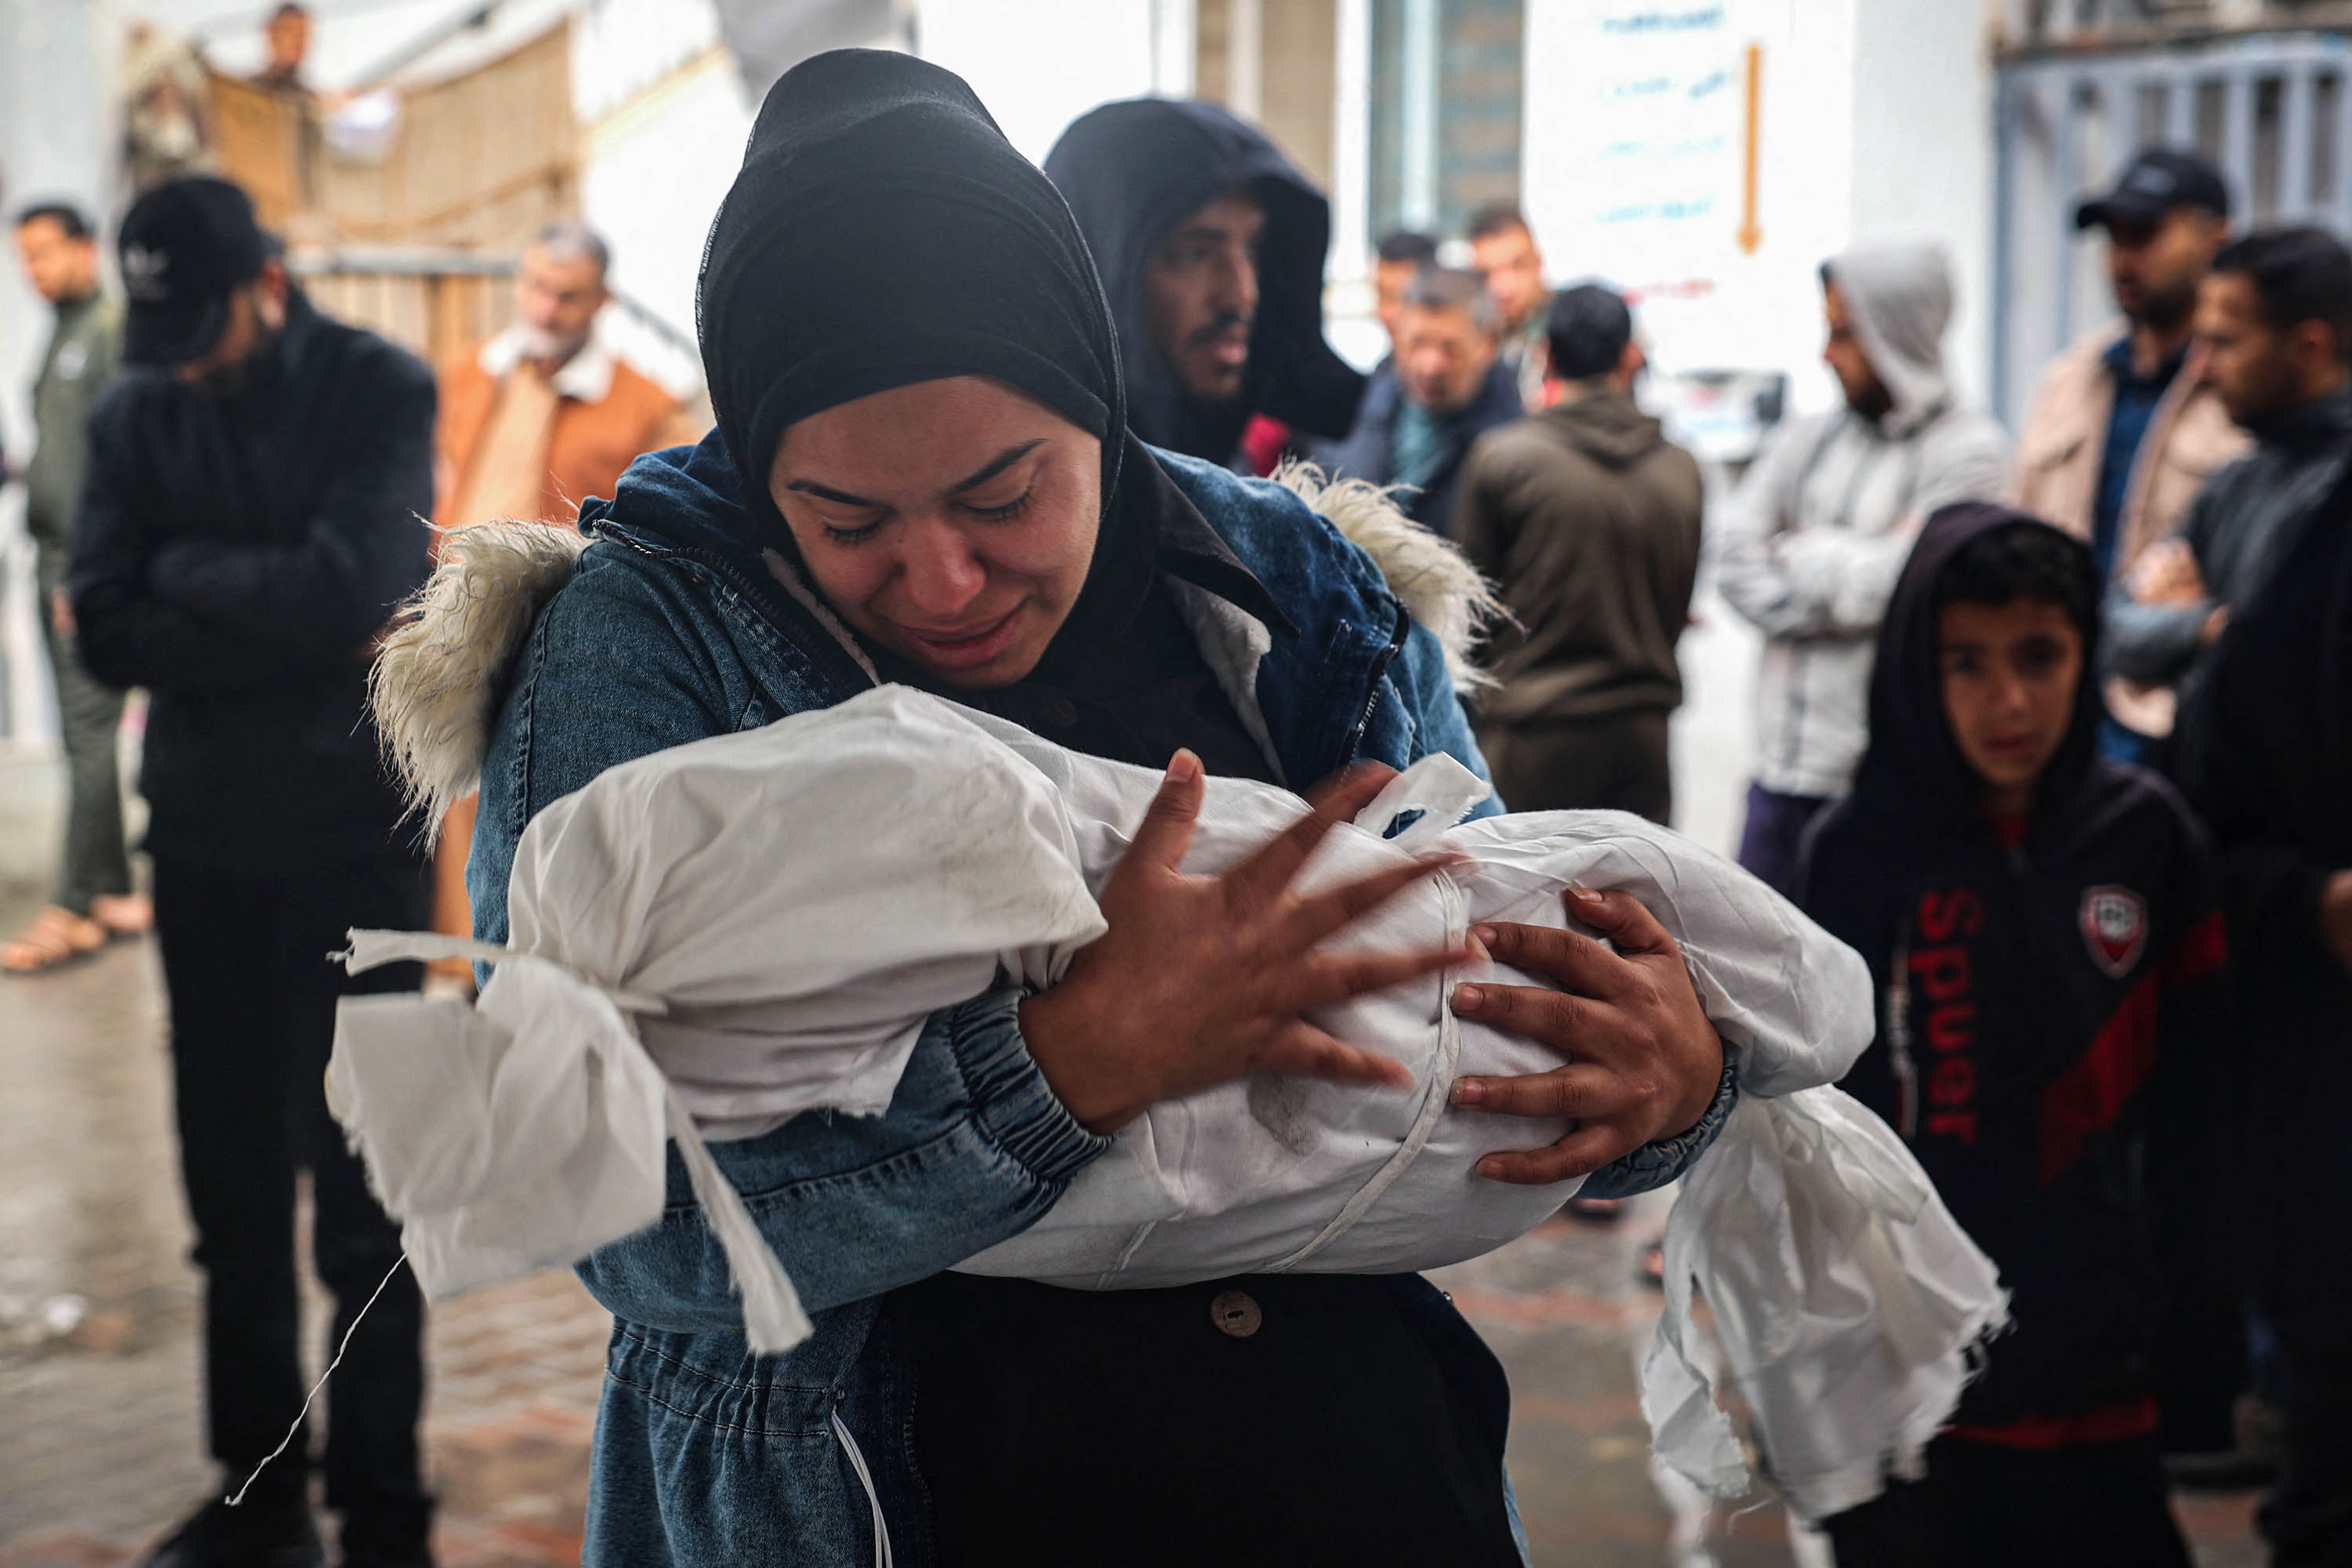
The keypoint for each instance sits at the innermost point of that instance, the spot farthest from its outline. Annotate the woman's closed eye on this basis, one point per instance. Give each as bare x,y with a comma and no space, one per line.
851,530
1004,512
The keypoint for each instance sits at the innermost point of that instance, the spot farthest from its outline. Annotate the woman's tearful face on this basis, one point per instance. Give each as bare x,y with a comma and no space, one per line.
953,521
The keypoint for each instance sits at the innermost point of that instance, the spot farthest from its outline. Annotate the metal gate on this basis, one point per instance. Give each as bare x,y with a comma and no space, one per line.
2272,109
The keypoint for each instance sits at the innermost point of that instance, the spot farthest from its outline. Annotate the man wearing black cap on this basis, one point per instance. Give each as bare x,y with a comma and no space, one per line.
1210,247
251,511
2125,428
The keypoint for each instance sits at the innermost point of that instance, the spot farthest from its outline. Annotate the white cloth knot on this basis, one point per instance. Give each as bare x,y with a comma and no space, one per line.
526,1131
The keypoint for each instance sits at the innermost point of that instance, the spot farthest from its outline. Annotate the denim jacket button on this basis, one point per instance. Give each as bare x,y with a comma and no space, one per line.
1235,1312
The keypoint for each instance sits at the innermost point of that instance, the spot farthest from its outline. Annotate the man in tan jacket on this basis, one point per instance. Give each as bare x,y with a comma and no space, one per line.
2124,429
540,416
534,421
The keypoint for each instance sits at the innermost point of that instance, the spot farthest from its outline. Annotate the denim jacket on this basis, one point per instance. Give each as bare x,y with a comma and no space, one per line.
672,628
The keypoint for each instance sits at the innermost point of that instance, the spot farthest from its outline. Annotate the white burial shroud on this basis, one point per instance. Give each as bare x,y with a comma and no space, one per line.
712,939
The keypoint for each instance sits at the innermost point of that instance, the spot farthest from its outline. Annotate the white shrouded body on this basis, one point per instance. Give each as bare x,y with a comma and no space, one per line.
712,939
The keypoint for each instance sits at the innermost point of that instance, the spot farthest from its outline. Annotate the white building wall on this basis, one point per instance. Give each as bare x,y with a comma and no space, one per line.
1922,146
1040,65
1873,117
54,141
658,154
652,191
659,158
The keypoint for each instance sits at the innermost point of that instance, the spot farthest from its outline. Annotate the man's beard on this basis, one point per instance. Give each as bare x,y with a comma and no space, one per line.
2166,311
2273,394
550,348
1872,402
229,380
1224,322
1209,333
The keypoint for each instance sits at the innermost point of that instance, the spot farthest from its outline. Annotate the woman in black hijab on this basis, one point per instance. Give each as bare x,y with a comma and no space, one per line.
918,383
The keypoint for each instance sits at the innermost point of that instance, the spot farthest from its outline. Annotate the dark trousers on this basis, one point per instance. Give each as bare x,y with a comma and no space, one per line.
1774,832
1614,763
253,1020
2100,1505
2307,1518
95,861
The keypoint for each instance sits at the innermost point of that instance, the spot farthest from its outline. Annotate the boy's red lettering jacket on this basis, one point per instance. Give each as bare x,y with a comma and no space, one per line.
2050,1039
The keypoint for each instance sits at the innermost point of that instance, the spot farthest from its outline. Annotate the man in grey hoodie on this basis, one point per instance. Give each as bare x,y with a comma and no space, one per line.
1810,546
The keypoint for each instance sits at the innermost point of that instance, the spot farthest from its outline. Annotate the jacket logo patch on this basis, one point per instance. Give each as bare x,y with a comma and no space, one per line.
2115,928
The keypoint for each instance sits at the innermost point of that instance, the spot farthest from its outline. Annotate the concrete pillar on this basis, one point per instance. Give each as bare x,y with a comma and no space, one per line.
55,136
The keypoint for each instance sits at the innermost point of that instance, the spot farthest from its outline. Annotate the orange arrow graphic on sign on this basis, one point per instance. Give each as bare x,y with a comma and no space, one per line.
1751,233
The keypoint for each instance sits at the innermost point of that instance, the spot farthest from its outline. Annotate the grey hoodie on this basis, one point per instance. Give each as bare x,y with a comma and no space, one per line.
1808,547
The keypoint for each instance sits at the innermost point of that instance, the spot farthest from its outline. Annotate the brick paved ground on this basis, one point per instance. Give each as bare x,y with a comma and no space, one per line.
99,1444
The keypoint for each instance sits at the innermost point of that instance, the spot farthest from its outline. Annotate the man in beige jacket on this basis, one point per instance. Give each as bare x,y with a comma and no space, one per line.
2124,430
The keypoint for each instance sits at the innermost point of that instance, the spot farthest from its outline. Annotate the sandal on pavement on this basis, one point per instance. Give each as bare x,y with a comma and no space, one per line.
55,936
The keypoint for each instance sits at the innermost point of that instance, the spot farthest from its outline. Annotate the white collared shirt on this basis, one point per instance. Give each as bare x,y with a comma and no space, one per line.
585,377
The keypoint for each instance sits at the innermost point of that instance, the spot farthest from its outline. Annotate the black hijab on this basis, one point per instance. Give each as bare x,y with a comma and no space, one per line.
1132,171
881,232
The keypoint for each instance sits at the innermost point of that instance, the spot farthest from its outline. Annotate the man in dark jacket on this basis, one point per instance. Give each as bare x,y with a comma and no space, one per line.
1586,518
1210,247
93,900
1443,388
2265,753
2045,933
2275,319
251,513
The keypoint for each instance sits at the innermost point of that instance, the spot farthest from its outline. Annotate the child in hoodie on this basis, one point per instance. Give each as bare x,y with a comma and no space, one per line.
2043,930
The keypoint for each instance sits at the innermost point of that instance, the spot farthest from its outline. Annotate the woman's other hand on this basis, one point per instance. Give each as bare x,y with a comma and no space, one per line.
1202,979
1644,1062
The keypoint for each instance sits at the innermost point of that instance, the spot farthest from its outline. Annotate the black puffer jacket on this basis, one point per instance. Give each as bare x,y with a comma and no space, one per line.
2242,523
2050,1039
2265,752
237,555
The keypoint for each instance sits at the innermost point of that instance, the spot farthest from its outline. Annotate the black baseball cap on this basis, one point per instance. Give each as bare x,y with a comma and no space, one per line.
186,245
2157,180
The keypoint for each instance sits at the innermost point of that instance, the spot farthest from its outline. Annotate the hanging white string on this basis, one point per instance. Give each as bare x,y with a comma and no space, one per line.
303,1414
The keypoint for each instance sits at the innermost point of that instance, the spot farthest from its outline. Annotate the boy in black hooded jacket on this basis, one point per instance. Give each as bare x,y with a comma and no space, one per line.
2044,926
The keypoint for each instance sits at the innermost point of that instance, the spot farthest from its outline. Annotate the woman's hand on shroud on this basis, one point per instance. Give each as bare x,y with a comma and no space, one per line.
1202,979
1646,1062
